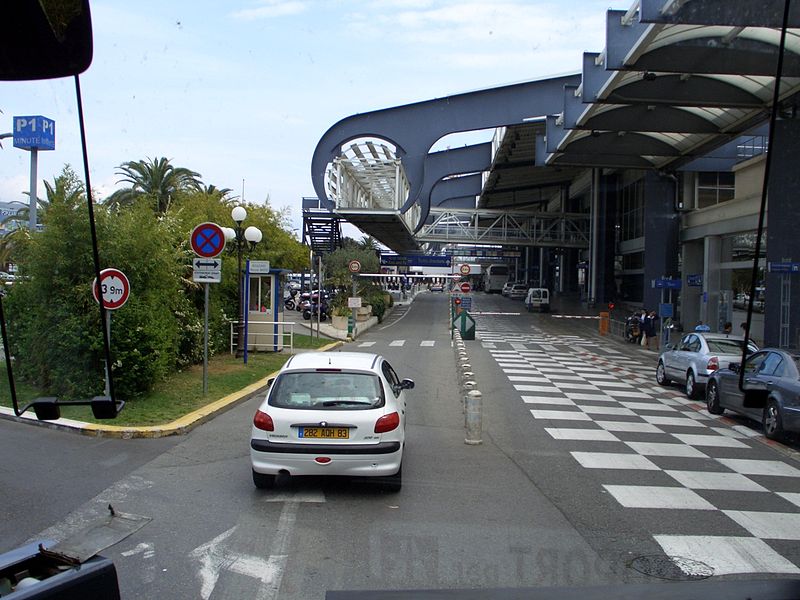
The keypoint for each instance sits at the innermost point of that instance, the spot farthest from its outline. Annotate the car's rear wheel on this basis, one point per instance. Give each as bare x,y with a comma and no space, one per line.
772,421
394,483
712,399
262,481
691,386
661,374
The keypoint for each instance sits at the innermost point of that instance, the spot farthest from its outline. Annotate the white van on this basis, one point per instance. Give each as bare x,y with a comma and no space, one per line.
538,299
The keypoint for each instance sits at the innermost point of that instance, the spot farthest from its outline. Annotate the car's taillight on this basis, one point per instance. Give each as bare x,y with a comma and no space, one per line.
387,423
713,364
263,421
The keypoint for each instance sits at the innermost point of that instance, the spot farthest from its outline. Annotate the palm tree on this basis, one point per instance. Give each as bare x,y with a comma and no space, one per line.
155,179
371,244
221,193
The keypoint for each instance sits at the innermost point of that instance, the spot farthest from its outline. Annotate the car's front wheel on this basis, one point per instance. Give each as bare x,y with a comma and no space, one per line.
772,421
262,481
661,374
712,399
691,386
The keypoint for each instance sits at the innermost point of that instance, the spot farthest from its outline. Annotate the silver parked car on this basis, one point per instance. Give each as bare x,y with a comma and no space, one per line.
699,354
772,390
518,291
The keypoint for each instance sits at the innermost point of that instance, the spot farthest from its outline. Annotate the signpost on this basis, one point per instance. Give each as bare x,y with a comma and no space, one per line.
464,269
354,267
114,289
207,241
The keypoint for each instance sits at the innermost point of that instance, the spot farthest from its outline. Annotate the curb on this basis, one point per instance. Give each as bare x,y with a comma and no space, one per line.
180,426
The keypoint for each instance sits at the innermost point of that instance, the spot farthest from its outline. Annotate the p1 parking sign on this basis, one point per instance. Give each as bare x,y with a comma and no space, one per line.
34,133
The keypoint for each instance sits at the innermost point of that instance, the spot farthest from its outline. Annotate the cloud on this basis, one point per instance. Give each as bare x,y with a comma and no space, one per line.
271,9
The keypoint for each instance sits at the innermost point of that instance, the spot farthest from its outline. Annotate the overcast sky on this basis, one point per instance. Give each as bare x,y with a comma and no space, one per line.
243,90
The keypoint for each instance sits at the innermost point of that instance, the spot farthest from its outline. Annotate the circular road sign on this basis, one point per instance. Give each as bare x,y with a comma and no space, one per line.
115,286
354,266
466,288
207,240
464,269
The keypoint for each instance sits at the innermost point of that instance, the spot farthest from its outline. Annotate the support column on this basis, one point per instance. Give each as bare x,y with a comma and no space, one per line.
606,246
781,236
709,302
661,234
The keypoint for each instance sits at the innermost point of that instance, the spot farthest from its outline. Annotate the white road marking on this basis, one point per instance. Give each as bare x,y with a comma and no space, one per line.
646,405
584,396
654,496
366,344
427,343
397,342
760,467
610,460
704,480
564,415
792,497
217,554
607,410
629,427
664,449
528,379
545,400
595,435
536,388
727,555
681,421
718,441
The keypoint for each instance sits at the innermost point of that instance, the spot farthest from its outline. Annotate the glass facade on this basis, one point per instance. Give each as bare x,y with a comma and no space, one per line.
714,187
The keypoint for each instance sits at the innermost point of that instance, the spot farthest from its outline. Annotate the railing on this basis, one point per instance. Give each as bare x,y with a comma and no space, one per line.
255,342
488,226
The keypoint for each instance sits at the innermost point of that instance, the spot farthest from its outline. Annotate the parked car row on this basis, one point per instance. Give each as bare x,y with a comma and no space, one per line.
711,363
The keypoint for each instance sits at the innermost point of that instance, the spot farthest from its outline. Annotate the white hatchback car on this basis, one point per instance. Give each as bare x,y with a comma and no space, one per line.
331,413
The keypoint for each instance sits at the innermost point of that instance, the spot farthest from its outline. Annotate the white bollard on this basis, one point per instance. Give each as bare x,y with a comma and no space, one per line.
473,408
467,376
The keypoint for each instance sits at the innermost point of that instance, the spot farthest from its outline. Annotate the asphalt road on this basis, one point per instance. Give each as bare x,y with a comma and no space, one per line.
569,487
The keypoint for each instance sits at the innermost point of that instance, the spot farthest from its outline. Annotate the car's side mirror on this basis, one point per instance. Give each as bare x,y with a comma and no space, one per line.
669,347
270,381
44,40
735,367
407,384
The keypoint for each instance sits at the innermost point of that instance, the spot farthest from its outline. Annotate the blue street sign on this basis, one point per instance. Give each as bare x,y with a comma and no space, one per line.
694,280
674,284
34,133
783,267
665,311
415,260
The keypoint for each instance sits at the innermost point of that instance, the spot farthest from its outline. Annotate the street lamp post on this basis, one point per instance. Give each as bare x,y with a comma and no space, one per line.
245,240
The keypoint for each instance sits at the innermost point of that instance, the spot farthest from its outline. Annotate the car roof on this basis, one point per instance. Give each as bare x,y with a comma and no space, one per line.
361,361
718,336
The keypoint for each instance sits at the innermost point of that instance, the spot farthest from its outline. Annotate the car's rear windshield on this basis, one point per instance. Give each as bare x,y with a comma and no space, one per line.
327,390
725,346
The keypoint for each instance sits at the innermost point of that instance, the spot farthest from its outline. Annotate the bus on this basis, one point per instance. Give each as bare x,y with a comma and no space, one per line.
494,276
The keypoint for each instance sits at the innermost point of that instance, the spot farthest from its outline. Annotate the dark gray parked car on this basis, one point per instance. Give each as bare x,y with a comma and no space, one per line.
772,390
696,356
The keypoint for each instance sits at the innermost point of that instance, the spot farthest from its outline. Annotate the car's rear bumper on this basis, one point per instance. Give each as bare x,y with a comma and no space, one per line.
363,460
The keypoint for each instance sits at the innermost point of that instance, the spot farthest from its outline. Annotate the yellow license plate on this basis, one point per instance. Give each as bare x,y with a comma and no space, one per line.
325,433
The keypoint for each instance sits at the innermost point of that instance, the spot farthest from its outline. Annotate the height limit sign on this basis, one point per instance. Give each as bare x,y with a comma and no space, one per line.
114,288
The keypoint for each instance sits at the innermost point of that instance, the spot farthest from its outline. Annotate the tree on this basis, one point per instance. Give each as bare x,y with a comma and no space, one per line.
155,180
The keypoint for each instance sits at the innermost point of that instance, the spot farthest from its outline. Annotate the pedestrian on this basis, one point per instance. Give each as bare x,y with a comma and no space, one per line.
728,328
651,329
